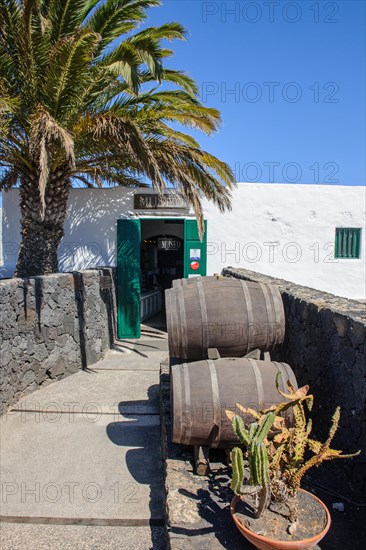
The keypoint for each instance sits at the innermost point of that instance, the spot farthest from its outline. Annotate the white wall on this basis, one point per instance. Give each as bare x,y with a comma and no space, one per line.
90,227
283,230
288,231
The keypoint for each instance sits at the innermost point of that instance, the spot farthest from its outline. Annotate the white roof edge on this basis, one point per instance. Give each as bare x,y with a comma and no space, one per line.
298,184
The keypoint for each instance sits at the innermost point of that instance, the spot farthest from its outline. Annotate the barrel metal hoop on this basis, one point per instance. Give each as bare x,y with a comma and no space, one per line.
175,321
268,308
283,368
168,317
216,401
248,302
287,374
170,322
284,375
187,416
201,296
183,323
258,381
177,399
280,314
275,311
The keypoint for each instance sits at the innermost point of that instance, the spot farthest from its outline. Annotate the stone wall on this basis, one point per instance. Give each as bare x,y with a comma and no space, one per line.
51,326
325,344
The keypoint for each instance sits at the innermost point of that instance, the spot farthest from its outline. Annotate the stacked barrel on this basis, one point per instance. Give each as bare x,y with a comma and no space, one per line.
226,318
232,315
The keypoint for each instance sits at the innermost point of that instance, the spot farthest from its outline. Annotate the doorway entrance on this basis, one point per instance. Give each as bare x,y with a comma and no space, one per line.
151,253
162,253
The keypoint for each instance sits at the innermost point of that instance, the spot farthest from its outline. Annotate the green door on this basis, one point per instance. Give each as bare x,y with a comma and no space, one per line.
128,269
195,251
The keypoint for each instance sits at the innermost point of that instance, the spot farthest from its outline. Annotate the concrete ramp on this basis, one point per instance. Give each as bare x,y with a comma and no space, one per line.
81,459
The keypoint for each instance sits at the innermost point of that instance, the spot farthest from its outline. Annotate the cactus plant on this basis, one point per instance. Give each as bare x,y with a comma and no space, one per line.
277,452
253,438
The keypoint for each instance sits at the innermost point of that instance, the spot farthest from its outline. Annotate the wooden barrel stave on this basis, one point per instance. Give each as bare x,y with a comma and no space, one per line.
204,280
201,391
232,315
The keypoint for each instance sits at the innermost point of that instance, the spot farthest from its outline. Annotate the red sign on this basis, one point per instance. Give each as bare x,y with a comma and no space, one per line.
195,266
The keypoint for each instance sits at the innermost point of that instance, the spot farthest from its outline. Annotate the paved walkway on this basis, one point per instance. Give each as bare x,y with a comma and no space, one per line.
81,463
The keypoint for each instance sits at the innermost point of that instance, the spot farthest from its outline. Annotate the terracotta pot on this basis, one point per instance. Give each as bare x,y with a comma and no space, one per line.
264,543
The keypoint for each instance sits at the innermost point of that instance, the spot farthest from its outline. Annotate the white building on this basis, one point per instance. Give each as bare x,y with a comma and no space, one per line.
284,230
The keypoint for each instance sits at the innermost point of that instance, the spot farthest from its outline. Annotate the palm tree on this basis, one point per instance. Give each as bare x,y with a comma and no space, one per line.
83,101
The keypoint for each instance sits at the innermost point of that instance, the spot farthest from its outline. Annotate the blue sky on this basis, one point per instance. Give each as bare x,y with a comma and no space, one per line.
289,80
295,71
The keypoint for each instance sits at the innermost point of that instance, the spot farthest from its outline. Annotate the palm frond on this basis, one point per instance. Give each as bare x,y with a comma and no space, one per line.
45,133
9,178
85,95
66,80
113,18
66,16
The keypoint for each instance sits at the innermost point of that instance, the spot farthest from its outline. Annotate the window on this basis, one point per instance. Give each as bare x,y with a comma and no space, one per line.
347,242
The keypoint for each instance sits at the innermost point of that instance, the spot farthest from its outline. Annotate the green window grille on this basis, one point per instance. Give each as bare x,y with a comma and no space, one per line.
347,242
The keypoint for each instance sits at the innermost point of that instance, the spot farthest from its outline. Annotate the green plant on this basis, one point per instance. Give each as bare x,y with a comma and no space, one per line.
86,99
278,451
253,439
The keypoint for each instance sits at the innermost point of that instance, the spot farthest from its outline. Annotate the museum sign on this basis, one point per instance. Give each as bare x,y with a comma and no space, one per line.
149,201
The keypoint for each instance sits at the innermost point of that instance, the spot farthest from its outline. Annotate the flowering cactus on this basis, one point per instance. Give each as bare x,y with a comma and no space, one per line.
276,452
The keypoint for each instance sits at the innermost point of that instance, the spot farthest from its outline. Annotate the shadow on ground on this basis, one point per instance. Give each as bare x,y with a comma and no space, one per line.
138,432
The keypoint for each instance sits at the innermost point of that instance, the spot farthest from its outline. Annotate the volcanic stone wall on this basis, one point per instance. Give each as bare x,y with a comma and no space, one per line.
51,326
325,344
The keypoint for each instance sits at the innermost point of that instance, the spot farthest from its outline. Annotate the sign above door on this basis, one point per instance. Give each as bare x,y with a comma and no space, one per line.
168,243
154,201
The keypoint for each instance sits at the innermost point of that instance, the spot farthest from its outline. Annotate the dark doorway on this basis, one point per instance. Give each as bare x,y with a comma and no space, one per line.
162,261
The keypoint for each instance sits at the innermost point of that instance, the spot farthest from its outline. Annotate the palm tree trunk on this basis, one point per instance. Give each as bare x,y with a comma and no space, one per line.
41,235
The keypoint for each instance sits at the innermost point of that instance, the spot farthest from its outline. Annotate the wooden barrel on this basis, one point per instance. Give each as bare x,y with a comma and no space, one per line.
201,391
232,315
199,278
